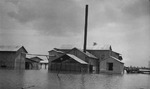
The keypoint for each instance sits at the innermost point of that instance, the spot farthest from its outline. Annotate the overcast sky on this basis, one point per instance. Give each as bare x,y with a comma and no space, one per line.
41,25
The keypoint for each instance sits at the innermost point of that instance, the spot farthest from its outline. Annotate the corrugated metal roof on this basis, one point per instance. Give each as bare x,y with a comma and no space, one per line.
77,59
9,48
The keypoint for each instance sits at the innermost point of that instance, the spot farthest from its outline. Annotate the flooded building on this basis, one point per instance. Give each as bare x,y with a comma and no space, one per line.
95,60
76,60
109,60
70,63
111,65
44,64
33,63
12,57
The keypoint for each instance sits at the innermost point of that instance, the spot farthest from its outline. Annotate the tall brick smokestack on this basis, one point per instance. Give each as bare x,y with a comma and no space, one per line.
85,28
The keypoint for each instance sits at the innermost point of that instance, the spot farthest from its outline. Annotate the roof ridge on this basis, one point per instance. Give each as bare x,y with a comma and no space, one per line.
89,54
116,59
10,47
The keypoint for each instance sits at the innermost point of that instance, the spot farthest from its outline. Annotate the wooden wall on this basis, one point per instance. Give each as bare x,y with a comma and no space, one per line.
69,67
51,58
12,60
20,59
118,67
7,60
100,54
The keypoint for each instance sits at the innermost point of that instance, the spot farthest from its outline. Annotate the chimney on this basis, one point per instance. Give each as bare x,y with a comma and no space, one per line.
85,28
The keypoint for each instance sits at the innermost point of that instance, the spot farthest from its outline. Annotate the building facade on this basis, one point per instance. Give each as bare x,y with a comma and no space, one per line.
33,63
69,63
98,60
109,61
12,57
88,64
111,65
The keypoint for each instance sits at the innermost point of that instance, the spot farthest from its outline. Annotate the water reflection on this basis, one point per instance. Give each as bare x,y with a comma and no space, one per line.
42,79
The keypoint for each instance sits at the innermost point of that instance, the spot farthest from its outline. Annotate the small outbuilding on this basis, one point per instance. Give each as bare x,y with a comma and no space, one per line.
33,63
12,57
111,65
70,63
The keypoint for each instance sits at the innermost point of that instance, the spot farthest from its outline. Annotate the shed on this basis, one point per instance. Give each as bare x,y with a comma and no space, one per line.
33,63
70,63
111,65
87,57
12,57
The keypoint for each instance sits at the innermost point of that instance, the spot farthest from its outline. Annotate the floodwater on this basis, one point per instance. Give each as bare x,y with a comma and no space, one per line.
42,79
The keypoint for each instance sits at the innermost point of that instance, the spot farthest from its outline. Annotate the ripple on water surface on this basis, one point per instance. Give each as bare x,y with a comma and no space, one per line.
42,79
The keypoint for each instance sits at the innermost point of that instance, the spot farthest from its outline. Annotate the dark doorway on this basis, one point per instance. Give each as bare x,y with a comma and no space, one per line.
110,66
27,65
91,68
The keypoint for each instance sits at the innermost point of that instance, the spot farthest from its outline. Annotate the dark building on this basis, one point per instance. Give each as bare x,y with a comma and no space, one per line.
69,62
98,60
79,61
33,63
12,57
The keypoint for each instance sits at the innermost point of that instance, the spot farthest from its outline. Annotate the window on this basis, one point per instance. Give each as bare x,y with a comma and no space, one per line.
110,66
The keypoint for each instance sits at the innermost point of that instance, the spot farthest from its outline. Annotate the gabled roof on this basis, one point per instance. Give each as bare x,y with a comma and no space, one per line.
116,59
57,51
33,56
29,60
116,53
11,48
73,57
77,59
90,55
62,50
68,50
100,47
87,53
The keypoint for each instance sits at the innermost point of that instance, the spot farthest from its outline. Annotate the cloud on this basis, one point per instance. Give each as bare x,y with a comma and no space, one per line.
5,21
50,16
122,23
66,18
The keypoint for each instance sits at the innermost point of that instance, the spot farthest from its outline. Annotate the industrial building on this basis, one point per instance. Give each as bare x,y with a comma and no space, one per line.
102,60
76,60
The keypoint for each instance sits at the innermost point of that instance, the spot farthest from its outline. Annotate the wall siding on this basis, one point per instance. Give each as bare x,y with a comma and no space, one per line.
100,54
117,66
13,60
7,58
